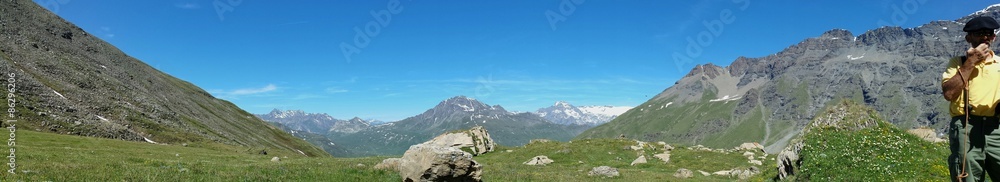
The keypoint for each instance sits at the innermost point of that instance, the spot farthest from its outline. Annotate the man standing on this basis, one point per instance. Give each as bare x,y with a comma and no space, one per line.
972,84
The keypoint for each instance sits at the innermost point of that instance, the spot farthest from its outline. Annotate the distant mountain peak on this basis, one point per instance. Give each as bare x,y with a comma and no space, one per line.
563,104
838,34
565,113
464,104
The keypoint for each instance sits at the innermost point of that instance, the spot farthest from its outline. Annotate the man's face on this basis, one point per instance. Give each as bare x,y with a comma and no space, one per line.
980,37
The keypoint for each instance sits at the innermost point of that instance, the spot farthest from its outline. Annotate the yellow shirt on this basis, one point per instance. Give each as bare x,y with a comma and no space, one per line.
984,87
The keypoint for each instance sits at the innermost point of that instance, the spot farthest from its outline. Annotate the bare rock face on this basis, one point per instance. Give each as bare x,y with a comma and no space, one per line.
476,140
539,160
434,163
788,160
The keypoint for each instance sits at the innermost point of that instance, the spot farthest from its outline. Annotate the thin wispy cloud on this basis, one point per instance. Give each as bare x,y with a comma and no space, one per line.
106,31
334,90
248,91
307,96
234,94
188,6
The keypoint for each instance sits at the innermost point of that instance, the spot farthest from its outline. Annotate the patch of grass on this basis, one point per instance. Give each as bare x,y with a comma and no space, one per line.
882,153
850,142
573,160
54,157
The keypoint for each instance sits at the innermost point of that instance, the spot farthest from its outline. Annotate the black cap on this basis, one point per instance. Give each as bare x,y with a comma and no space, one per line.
981,23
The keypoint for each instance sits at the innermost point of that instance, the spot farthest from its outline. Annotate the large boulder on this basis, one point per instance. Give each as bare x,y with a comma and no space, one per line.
424,162
475,141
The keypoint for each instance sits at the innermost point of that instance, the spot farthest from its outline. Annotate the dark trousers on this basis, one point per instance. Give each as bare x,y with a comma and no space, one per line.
982,147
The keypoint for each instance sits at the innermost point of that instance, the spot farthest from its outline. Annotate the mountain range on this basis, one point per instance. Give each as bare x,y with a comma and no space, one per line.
68,81
769,99
457,113
318,123
564,113
451,114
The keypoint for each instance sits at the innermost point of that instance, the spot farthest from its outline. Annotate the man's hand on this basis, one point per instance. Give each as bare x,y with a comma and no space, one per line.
976,55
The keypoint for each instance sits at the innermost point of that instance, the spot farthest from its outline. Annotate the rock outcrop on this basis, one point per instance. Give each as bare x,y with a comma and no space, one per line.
665,157
539,160
604,171
739,173
927,134
683,173
751,146
476,141
640,160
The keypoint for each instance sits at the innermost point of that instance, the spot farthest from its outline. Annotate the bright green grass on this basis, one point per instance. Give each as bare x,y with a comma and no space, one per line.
54,157
843,150
882,153
507,166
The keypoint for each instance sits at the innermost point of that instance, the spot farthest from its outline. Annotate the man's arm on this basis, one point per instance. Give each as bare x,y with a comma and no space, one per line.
953,87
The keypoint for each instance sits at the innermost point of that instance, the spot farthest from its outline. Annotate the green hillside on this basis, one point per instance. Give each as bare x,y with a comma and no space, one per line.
707,123
856,144
54,157
851,142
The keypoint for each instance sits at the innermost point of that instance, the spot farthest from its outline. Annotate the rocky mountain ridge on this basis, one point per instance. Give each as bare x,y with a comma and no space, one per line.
769,99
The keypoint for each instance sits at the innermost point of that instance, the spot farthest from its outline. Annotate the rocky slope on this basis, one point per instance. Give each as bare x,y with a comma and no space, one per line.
71,82
457,113
769,99
567,114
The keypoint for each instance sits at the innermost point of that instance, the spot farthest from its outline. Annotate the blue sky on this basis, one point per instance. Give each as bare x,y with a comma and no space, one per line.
263,55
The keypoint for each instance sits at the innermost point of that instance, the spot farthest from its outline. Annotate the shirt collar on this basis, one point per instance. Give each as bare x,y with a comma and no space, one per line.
992,58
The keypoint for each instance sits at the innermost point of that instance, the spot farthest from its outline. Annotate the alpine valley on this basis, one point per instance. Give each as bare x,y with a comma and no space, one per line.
357,137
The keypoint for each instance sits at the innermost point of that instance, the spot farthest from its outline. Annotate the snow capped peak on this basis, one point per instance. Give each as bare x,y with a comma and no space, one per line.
464,104
564,113
986,9
563,104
